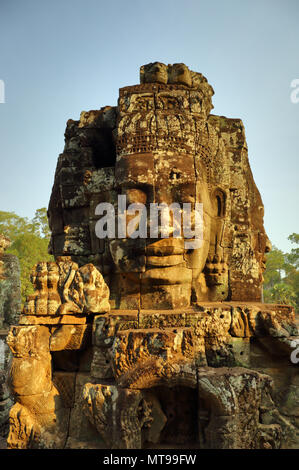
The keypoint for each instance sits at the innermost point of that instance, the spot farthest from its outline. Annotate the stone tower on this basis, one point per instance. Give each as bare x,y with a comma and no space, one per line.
148,341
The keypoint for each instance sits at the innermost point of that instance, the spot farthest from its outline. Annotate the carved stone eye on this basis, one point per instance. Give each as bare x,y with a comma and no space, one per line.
136,196
175,175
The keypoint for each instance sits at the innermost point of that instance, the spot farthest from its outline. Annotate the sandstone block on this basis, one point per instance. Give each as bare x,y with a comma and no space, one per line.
70,337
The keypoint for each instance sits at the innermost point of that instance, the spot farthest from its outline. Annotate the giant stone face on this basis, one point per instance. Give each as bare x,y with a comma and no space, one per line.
166,266
161,145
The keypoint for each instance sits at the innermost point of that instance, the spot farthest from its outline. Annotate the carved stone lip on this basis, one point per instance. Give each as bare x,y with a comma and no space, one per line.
165,247
170,275
164,261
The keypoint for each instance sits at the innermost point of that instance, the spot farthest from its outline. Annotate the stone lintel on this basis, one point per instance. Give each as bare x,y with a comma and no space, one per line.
52,320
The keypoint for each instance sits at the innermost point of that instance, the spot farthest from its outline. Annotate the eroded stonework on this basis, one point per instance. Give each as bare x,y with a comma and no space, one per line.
144,343
10,309
10,285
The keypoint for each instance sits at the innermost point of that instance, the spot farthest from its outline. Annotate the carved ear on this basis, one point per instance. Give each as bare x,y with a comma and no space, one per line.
219,200
141,74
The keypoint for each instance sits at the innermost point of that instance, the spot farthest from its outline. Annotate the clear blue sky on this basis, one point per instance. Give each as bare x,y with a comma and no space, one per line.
60,57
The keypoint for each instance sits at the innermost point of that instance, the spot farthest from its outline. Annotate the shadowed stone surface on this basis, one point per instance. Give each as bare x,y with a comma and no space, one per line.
10,309
10,285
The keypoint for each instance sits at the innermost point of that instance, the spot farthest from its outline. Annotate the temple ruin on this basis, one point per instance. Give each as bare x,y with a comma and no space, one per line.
132,343
10,309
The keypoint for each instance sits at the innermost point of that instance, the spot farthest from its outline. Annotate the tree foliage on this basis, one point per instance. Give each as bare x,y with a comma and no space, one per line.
30,239
281,277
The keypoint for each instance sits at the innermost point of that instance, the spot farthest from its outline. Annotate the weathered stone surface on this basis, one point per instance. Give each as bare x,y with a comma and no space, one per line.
6,398
70,337
106,326
29,341
63,288
65,384
161,144
10,285
146,356
101,367
52,320
39,371
41,431
38,406
117,414
81,433
6,402
127,418
235,397
148,341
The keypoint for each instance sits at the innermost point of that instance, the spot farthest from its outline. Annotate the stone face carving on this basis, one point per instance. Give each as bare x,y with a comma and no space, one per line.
166,147
10,308
146,342
10,286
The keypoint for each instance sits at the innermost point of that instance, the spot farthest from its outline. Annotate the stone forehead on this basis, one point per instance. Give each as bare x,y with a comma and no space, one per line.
150,65
159,170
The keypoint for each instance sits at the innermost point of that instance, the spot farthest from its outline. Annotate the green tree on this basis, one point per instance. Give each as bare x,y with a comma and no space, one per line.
282,294
274,267
40,222
30,239
12,225
293,257
281,277
292,268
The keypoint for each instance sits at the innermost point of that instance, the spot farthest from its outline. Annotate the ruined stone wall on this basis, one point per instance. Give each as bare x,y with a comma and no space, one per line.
10,286
10,309
215,376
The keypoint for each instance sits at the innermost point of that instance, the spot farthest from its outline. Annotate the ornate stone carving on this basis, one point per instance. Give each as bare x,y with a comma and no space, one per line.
63,288
10,308
38,405
145,342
